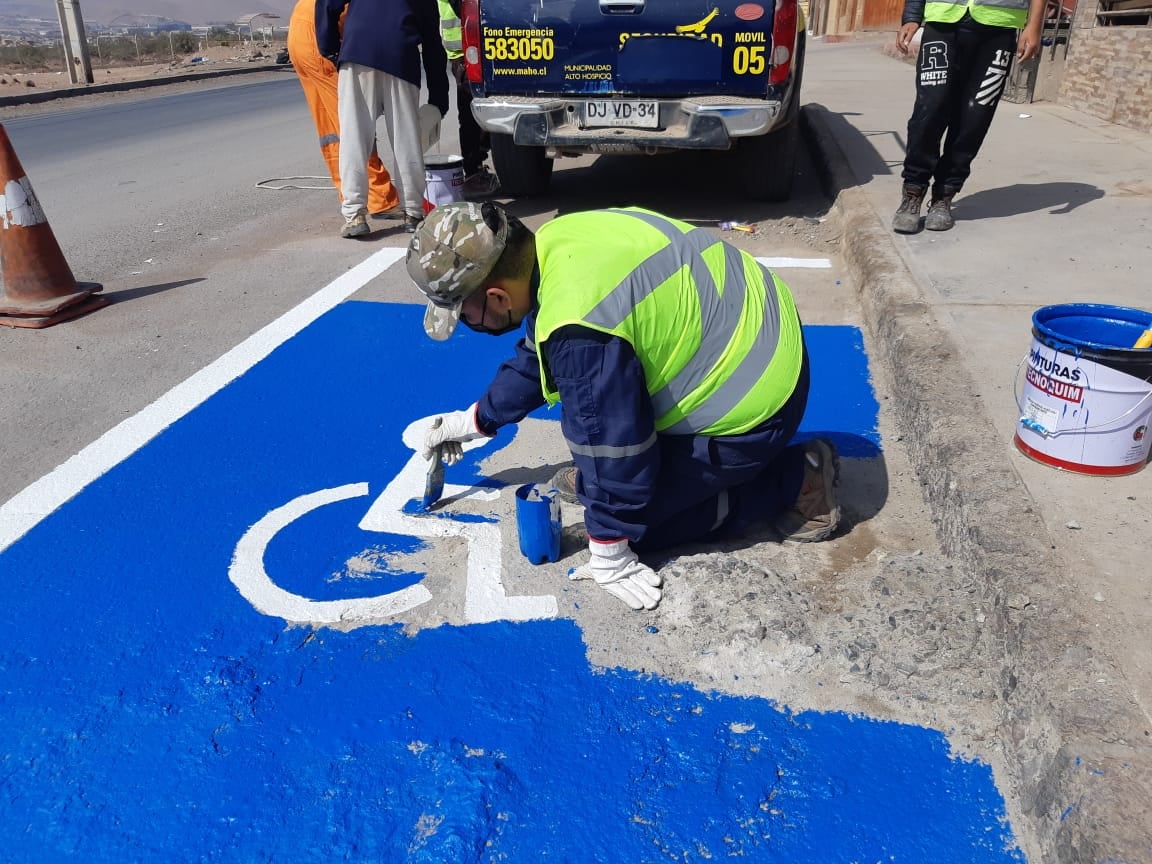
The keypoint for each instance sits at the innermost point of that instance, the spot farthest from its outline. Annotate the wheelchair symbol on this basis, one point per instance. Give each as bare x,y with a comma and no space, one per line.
484,600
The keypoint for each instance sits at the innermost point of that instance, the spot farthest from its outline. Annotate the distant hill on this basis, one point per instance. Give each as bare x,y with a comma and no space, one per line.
192,11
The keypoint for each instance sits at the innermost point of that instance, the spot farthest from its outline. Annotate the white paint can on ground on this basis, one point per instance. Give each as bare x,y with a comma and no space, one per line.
443,179
1086,402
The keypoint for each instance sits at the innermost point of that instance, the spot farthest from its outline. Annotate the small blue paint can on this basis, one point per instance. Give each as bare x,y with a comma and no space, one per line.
538,522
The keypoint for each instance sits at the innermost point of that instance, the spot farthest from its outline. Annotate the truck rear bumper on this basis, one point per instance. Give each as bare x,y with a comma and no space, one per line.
700,123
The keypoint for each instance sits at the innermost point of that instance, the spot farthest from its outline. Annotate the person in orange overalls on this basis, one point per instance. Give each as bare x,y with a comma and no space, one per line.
318,78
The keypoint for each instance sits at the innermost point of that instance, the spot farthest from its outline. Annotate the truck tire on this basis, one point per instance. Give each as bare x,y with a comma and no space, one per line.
523,171
767,163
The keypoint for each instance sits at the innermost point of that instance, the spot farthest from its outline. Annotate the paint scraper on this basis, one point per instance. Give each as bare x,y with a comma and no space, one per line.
434,484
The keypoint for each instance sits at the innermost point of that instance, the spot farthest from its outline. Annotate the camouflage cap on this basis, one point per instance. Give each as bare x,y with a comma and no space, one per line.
451,254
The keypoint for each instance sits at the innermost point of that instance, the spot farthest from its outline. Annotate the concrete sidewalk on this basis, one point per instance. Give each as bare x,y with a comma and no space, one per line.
1058,210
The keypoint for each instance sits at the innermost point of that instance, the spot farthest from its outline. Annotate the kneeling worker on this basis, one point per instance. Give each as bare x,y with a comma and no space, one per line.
678,360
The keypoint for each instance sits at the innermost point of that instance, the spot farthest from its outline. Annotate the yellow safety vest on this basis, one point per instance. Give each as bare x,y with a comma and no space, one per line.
994,13
717,335
450,31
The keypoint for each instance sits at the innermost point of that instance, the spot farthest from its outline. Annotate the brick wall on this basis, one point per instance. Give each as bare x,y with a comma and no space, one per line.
1108,73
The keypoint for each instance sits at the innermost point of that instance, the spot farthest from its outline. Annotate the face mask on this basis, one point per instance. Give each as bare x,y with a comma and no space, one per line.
508,327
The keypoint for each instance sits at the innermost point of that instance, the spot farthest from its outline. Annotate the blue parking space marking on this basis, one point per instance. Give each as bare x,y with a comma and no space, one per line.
153,714
842,405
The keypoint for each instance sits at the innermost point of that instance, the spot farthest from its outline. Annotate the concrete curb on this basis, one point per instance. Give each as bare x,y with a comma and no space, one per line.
1075,744
34,97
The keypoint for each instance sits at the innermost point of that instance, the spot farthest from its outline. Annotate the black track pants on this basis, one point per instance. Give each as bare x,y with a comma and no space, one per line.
473,140
960,74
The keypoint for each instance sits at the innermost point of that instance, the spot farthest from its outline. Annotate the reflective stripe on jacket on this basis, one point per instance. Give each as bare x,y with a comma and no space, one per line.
718,337
450,30
994,13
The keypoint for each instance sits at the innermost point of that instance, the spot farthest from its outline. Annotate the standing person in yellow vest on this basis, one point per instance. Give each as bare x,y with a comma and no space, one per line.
318,79
965,51
479,182
677,359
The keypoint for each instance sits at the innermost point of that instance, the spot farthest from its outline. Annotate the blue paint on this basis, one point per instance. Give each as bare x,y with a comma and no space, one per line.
1034,426
1097,332
321,570
152,714
842,405
1096,326
415,507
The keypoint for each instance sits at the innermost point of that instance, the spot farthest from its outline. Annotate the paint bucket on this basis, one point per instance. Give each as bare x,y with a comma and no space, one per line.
443,180
1086,403
538,522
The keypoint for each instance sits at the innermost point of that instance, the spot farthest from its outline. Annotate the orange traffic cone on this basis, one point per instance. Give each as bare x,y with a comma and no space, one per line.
39,288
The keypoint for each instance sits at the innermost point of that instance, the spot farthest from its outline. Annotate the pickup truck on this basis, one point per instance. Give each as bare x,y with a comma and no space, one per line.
553,78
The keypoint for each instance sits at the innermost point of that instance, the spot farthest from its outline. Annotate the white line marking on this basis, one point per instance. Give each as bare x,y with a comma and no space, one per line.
804,263
485,597
252,581
19,515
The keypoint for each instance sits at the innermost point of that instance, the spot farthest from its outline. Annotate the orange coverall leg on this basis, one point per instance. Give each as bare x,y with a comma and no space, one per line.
318,80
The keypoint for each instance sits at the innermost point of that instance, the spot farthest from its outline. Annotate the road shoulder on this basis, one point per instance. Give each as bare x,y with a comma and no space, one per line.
1074,740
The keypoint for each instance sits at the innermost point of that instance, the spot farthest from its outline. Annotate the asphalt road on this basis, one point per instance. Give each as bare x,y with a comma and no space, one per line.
180,422
156,197
110,174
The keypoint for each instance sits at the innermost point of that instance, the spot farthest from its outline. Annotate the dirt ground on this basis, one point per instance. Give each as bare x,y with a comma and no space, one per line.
15,80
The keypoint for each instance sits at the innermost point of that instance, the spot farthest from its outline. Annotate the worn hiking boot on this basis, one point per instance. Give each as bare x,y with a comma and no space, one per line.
940,216
564,482
480,184
907,218
411,223
816,513
356,226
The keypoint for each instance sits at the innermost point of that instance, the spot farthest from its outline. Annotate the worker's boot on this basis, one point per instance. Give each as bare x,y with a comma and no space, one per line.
940,216
816,513
907,218
564,482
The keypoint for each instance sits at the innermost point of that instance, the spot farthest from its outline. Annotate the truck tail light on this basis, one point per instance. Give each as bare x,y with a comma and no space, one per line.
783,41
470,23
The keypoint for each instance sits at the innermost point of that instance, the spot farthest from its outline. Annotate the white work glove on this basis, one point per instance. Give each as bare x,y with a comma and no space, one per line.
618,571
449,432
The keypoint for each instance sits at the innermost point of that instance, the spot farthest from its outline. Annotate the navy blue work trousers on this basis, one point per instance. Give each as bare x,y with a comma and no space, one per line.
715,487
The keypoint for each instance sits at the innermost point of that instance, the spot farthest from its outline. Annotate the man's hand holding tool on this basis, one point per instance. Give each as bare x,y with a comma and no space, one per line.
448,434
